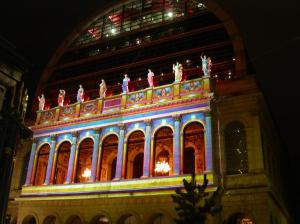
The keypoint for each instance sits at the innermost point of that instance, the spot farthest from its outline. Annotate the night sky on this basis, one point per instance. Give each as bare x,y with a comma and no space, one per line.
270,30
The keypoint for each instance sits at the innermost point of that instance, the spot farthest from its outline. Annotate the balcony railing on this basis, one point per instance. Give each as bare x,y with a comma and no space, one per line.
149,96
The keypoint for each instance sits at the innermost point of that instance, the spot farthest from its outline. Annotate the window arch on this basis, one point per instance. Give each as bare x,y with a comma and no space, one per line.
128,219
100,219
163,151
74,219
50,220
193,148
236,153
29,220
41,165
240,218
107,165
62,162
84,160
134,155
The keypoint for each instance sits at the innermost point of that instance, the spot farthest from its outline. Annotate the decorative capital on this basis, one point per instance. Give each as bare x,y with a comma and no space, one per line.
121,126
53,137
97,130
148,122
177,117
34,140
75,134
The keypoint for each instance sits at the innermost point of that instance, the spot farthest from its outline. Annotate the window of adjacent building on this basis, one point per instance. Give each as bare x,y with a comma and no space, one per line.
108,161
134,155
62,162
41,165
84,161
193,151
236,153
163,152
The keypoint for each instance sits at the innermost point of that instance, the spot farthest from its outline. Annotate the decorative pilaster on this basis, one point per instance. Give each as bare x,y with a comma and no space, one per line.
206,84
50,160
147,149
176,90
149,94
72,158
95,156
120,152
208,142
77,109
100,106
123,100
57,111
38,117
30,165
176,145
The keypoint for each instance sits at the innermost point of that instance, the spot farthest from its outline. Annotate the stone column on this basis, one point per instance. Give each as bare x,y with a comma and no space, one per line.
176,145
208,143
120,152
147,149
95,156
71,159
30,164
50,160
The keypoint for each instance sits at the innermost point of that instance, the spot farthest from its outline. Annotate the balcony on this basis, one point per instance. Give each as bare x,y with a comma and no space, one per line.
175,93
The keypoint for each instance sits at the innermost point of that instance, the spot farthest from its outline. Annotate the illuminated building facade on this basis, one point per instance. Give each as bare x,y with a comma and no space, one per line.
118,158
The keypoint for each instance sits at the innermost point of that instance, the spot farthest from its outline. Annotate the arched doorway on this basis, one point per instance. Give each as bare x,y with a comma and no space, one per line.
50,220
62,162
41,165
134,155
74,219
239,218
193,148
29,220
163,152
84,161
107,165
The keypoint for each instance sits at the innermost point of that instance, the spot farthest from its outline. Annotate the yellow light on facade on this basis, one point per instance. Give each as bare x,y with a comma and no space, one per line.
87,173
170,14
162,167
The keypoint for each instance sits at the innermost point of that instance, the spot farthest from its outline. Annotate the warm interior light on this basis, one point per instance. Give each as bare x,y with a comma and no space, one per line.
113,30
86,173
162,167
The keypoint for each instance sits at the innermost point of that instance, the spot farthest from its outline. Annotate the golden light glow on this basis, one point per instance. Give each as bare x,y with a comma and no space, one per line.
86,173
162,167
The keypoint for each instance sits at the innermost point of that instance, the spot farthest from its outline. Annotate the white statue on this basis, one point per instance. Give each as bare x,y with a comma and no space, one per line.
61,97
177,70
125,83
206,64
41,102
80,94
150,78
102,89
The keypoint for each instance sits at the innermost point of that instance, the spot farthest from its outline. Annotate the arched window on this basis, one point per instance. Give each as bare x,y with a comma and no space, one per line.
62,162
74,219
163,152
134,155
41,165
236,148
127,219
239,218
107,165
29,220
194,148
100,219
50,220
159,219
84,161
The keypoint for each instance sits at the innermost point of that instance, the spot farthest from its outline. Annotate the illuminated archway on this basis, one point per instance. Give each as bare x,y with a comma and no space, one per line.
84,161
193,148
107,165
50,220
100,219
163,152
29,220
134,155
62,162
74,219
41,165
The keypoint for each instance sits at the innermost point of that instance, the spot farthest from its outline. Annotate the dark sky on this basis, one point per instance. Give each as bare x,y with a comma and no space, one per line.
270,30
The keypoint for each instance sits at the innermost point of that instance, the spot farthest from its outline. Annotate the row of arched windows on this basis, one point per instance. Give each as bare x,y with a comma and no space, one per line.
193,156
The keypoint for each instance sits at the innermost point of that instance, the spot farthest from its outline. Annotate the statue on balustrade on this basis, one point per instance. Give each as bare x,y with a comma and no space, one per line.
102,89
177,70
41,102
206,64
150,78
125,83
80,94
61,97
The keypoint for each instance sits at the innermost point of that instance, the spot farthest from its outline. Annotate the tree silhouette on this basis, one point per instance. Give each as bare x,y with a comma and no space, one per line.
194,203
